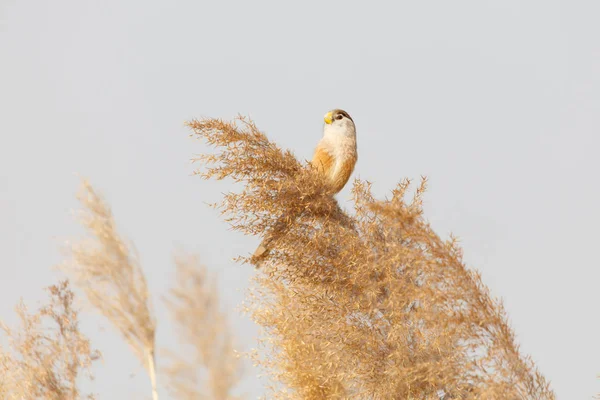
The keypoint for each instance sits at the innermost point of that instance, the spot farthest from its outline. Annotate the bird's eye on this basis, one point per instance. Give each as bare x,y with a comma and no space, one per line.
339,116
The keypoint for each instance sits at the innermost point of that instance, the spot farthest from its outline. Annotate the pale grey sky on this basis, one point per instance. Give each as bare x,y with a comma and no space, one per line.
497,102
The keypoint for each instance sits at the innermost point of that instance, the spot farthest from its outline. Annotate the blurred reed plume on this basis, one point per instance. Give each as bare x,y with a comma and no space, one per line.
211,368
108,271
370,304
48,354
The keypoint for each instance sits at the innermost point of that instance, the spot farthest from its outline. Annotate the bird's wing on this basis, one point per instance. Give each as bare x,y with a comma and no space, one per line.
323,160
342,175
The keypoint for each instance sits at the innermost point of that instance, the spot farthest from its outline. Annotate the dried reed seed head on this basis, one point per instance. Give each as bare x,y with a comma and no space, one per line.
371,304
211,369
48,355
108,271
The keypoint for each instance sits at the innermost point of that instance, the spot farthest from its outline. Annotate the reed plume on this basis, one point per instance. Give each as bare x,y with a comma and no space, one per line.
108,271
210,369
371,304
47,354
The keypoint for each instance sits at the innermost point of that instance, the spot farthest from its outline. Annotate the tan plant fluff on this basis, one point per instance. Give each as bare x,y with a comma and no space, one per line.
364,305
47,354
210,368
107,269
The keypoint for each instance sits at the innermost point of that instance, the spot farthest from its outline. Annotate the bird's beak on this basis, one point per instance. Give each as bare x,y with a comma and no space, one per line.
328,118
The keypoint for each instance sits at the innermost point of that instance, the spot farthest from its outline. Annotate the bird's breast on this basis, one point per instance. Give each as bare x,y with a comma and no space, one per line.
335,157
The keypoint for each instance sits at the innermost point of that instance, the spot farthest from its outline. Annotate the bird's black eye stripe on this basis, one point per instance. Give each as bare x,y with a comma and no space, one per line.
339,116
342,113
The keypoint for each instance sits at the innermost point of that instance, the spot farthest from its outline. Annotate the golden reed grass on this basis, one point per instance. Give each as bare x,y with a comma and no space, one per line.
108,271
364,305
211,368
48,354
367,304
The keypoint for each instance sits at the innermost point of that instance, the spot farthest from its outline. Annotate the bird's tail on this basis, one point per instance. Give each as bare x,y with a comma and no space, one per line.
261,250
281,226
259,254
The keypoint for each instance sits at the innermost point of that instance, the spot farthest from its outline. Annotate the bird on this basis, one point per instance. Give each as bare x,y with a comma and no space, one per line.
334,157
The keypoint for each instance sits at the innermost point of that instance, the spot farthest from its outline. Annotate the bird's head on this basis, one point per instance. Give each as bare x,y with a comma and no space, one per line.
339,122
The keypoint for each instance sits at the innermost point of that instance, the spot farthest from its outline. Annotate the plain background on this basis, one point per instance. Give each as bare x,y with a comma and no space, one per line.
497,102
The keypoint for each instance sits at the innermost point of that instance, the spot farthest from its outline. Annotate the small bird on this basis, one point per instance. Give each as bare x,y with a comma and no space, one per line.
335,157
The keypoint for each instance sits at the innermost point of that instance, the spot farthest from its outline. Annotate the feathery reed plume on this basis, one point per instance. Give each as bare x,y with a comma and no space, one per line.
372,305
45,360
202,327
109,273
